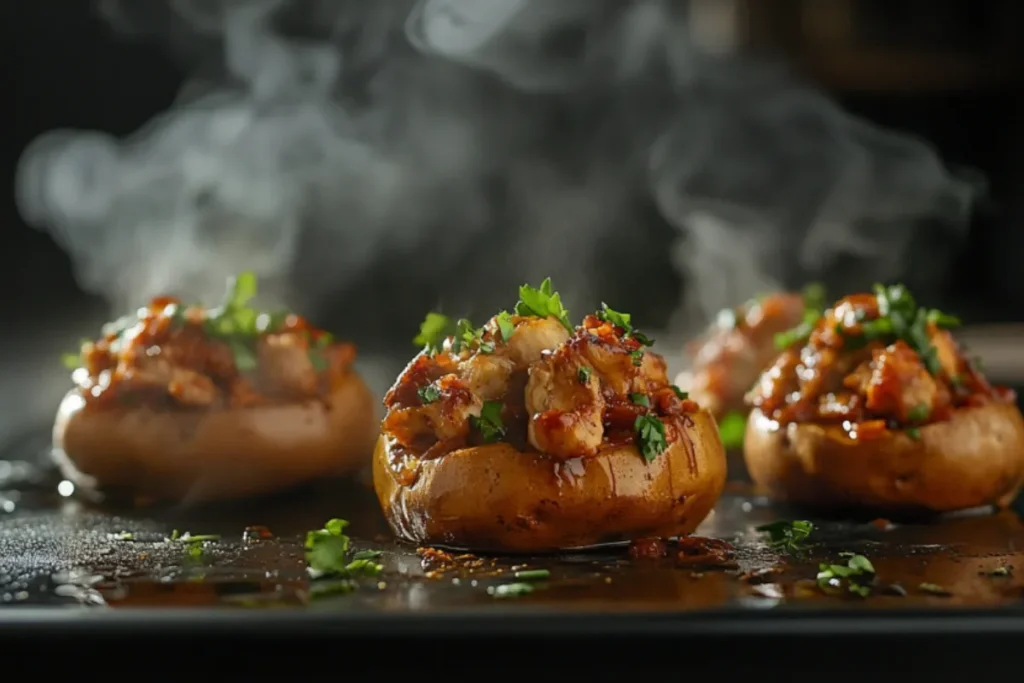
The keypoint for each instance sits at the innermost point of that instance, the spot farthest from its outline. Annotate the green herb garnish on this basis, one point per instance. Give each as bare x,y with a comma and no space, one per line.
637,357
428,394
623,320
510,590
858,574
543,302
788,536
914,433
532,574
680,394
934,589
919,413
505,325
434,329
72,361
650,432
583,375
327,553
732,429
489,423
640,400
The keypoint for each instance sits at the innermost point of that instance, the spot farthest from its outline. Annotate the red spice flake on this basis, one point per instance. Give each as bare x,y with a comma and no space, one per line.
699,551
647,549
882,524
256,533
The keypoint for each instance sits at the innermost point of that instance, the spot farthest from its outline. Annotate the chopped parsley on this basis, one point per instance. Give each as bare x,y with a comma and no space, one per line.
505,325
732,429
914,433
815,305
510,590
72,361
429,393
489,423
650,432
543,302
327,554
858,574
467,337
680,394
583,375
788,536
919,413
640,400
637,357
623,320
900,318
434,329
934,589
532,574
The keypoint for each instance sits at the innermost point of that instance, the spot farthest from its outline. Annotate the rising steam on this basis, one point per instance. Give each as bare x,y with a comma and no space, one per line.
346,134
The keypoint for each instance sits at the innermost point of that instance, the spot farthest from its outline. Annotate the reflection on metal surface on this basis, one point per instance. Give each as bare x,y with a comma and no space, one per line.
52,553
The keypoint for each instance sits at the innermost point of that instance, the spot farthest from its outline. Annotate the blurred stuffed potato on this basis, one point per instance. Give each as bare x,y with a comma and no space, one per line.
530,434
877,406
190,404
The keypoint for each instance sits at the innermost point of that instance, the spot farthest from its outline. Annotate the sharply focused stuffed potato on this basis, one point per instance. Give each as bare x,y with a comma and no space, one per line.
532,435
878,407
185,404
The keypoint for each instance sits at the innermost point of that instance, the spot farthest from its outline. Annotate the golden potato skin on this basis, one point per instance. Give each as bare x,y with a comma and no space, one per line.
151,456
976,458
494,498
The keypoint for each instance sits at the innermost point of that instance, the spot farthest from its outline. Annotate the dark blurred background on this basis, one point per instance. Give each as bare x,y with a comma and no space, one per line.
948,71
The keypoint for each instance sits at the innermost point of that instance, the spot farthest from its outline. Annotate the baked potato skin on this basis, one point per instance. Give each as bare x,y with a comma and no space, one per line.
194,456
498,499
975,458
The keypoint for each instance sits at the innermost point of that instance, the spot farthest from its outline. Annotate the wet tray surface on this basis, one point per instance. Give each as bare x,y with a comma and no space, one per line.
56,551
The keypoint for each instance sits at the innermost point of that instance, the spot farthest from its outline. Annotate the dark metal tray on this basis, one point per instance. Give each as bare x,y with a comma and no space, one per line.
67,567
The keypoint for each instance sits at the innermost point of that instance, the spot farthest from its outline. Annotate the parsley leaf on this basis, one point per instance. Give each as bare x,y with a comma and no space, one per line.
788,536
919,413
640,400
327,553
583,375
637,357
429,393
72,361
650,432
434,329
623,320
489,423
732,429
543,302
505,326
858,574
680,394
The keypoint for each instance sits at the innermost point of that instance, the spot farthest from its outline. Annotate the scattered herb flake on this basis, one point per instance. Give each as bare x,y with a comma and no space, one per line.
428,394
858,574
650,433
71,361
505,326
640,400
434,329
327,554
532,574
583,374
489,423
788,536
919,413
510,590
732,429
934,589
623,320
680,394
914,433
638,357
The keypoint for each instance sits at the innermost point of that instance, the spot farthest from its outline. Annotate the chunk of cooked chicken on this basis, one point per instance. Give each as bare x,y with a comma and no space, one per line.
285,367
565,405
445,417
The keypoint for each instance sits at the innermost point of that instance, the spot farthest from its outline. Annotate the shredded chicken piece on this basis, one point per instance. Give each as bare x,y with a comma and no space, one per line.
443,419
285,368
